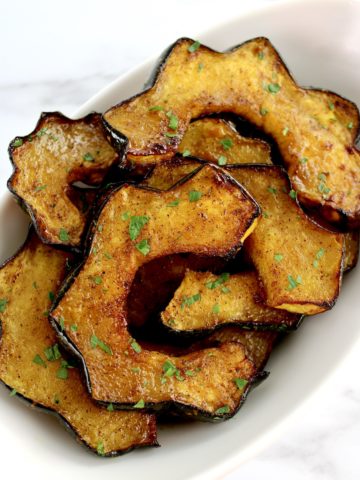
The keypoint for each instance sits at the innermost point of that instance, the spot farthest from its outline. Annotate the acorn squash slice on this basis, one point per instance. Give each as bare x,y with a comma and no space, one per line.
58,153
351,242
225,299
208,214
314,130
34,368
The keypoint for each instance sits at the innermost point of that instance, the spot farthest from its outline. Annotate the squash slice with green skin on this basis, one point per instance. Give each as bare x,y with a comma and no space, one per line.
315,130
351,243
35,369
207,214
58,153
225,299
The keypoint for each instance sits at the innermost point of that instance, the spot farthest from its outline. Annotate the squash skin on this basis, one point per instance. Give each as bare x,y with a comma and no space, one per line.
23,335
322,134
110,376
48,161
351,255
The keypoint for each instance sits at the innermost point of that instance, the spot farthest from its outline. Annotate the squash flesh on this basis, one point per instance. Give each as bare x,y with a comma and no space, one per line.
314,130
25,283
213,225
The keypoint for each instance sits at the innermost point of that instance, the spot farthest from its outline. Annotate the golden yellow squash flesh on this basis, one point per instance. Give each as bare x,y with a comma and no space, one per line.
314,130
208,214
59,152
31,364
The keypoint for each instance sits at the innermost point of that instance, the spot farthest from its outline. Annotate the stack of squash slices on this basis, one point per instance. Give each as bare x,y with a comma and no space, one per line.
175,240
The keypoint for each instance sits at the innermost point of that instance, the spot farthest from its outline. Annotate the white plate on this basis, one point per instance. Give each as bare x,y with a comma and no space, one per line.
320,42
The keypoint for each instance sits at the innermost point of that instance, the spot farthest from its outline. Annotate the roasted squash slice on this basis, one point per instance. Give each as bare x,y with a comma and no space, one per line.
216,141
34,368
207,214
59,152
314,130
225,299
351,243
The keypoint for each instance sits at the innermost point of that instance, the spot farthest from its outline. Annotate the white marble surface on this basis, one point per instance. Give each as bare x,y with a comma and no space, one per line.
54,56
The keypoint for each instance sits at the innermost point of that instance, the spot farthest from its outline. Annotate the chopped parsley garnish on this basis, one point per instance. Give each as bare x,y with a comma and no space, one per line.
3,303
216,308
222,160
96,342
135,346
100,228
319,254
51,296
285,131
272,190
292,194
110,407
88,157
225,289
266,214
171,135
74,328
322,187
39,188
200,67
13,392
226,143
136,369
190,373
263,112
52,353
17,142
169,368
194,46
64,235
294,283
143,246
156,108
261,55
136,224
303,160
100,449
139,404
273,88
39,361
97,280
224,277
194,195
108,255
125,216
63,373
240,383
186,153
222,410
278,257
41,132
188,301
173,121
350,125
175,203
331,106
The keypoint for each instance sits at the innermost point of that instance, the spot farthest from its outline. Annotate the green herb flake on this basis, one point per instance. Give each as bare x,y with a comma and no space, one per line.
100,448
319,254
293,283
186,153
41,132
303,160
96,342
278,257
170,135
110,407
3,303
261,55
331,106
62,372
156,108
64,235
125,216
175,203
136,369
17,142
39,188
350,125
194,46
222,410
143,246
194,195
265,214
35,285
225,289
263,111
135,346
52,353
190,373
136,224
88,157
108,255
224,277
272,190
200,67
74,328
39,361
51,296
168,368
188,301
100,228
97,280
292,194
285,131
273,88
173,121
13,392
139,404
222,160
240,383
216,308
226,143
